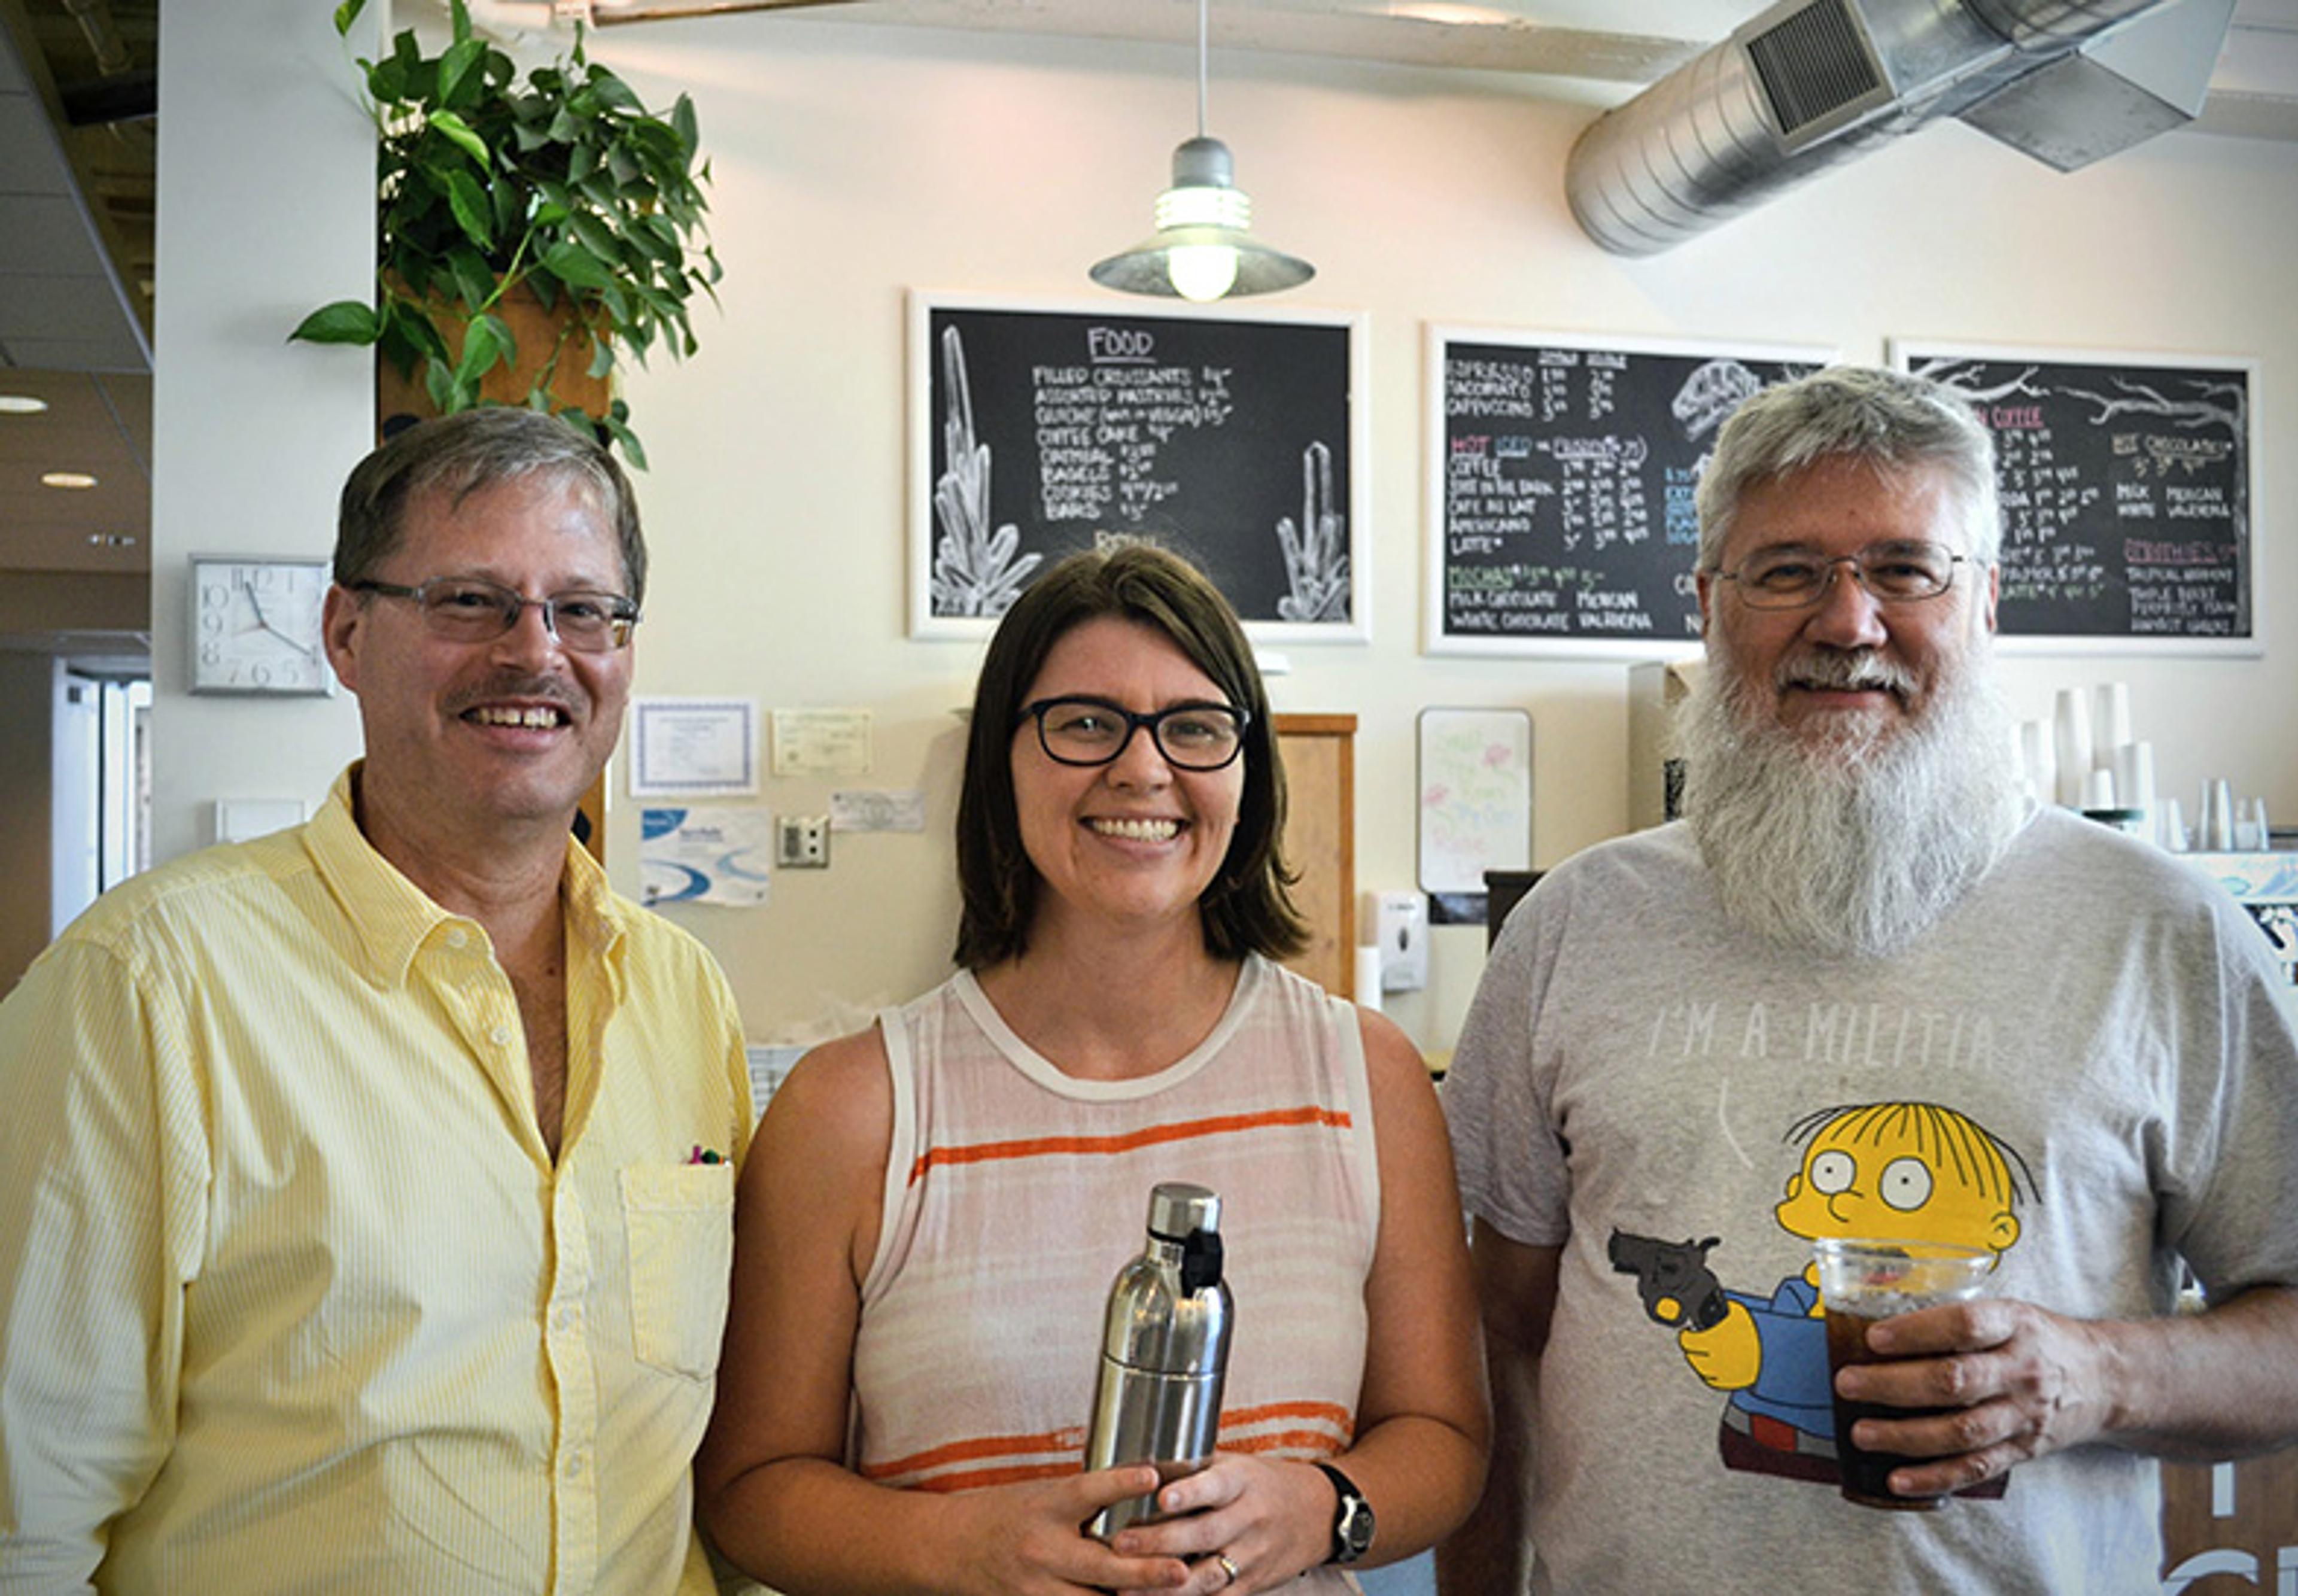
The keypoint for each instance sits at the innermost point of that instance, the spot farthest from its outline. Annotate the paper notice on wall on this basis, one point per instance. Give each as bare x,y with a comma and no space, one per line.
694,748
822,742
1475,797
717,855
856,810
770,1064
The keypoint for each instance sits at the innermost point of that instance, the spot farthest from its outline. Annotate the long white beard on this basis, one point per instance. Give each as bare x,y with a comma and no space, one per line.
1858,844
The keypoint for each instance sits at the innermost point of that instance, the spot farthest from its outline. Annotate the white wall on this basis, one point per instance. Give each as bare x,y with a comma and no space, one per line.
266,211
75,864
28,689
855,162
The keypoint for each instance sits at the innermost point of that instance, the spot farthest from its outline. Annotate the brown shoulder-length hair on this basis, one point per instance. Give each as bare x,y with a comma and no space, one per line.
1248,907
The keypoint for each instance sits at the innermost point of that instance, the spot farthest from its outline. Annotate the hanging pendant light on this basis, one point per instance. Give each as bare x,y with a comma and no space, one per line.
1201,250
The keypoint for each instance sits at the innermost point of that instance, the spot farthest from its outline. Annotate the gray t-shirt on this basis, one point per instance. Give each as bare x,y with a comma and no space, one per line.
2083,1068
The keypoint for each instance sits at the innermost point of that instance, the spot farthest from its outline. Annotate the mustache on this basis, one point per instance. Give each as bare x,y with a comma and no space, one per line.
549,690
1836,670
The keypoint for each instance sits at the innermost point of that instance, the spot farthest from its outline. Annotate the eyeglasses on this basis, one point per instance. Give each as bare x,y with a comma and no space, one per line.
1898,573
469,610
1095,731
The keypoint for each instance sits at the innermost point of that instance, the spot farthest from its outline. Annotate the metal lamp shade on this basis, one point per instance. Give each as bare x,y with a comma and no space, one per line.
1147,267
1203,210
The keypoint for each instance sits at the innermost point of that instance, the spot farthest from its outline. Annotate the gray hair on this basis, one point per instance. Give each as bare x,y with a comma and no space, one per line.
460,454
1886,418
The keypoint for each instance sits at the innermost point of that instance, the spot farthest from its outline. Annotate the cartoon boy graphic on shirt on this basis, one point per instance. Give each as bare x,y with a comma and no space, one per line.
1914,1171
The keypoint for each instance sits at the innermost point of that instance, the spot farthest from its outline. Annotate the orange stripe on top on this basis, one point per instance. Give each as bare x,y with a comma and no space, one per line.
1314,1443
977,1448
1331,1413
1150,1137
975,1479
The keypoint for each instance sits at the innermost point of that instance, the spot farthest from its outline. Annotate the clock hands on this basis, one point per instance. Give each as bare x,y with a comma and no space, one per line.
263,622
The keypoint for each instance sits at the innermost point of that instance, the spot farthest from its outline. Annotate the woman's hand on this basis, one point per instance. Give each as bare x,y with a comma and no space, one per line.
1025,1539
1241,1524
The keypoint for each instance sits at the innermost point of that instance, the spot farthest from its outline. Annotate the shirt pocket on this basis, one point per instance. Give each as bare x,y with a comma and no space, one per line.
680,1220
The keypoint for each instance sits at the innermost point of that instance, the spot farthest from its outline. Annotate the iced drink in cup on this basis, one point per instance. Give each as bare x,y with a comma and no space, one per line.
1860,1283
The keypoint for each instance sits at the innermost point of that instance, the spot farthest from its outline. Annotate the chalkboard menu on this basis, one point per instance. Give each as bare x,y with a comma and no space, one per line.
1560,501
2124,482
1040,430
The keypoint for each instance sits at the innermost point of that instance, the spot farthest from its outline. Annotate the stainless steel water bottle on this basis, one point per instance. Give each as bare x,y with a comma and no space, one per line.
1164,1351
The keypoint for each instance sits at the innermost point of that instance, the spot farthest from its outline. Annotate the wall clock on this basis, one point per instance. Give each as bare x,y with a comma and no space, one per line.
255,626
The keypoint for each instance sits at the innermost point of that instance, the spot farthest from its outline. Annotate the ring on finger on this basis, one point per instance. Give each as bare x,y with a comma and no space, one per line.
1228,1569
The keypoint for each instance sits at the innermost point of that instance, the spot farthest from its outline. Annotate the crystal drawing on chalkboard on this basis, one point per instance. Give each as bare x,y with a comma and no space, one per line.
1710,393
975,572
1316,551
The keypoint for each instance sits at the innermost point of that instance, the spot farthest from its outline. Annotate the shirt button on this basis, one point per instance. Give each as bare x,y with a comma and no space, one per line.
564,1318
575,1465
500,1035
458,937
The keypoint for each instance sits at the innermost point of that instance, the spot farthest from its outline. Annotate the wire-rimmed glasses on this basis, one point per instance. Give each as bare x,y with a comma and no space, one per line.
470,609
1901,571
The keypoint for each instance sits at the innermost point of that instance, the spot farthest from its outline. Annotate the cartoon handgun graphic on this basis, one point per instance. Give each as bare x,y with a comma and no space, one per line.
1673,1278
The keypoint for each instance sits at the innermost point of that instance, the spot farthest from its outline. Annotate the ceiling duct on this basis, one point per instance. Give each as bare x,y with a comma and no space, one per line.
1810,84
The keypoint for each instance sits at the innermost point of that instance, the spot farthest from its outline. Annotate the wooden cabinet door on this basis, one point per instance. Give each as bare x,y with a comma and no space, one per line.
1320,841
2231,1526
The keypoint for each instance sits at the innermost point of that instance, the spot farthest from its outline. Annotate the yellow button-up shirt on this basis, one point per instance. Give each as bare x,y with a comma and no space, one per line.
293,1297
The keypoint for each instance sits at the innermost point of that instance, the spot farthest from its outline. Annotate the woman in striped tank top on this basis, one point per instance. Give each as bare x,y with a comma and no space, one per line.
935,1207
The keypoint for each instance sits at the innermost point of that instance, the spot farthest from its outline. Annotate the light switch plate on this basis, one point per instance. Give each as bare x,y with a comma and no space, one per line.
1403,924
243,820
802,842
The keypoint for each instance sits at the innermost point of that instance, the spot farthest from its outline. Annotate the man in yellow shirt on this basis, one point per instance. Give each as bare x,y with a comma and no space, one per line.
364,1190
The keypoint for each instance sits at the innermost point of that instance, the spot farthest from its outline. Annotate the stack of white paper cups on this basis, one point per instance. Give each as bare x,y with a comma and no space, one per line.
2134,781
2038,761
2110,727
2070,727
2217,817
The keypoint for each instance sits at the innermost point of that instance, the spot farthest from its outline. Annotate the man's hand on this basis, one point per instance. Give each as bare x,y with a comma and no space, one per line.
2016,1382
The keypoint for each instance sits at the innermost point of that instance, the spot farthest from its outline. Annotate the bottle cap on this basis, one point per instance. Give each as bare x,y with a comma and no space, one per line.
1178,1207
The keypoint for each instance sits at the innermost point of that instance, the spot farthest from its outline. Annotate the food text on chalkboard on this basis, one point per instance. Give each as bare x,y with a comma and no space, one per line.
1226,441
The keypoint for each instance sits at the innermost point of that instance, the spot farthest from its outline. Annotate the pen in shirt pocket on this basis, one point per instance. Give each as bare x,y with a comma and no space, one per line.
702,1154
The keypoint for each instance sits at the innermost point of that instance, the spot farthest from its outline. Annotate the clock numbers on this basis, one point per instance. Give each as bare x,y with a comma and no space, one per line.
257,627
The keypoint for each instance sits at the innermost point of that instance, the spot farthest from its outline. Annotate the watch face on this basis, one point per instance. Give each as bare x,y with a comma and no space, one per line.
255,626
1352,1524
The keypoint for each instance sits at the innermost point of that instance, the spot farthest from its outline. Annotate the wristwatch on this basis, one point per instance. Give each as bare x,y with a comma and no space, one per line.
1352,1518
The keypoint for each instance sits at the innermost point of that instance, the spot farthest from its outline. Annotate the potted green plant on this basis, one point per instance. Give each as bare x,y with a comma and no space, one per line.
562,187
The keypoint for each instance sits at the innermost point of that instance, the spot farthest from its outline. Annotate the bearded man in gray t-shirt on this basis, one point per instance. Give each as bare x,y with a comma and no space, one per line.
1866,989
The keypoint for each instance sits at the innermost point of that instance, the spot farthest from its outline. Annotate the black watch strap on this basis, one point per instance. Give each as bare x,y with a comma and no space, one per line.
1352,1524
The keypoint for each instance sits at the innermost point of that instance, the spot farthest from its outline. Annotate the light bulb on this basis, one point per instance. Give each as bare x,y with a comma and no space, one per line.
1202,271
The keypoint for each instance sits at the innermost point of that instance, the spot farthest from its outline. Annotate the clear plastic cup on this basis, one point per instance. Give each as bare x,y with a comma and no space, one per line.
1862,1281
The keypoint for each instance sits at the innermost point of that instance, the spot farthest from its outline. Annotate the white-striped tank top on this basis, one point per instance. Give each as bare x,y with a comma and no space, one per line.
1014,1194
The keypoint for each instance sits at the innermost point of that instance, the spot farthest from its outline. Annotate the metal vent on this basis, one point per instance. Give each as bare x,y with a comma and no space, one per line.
1814,67
1808,84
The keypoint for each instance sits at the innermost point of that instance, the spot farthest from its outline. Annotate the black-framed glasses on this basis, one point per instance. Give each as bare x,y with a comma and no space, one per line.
1904,572
1079,730
469,609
